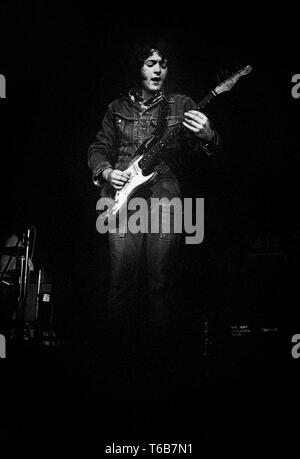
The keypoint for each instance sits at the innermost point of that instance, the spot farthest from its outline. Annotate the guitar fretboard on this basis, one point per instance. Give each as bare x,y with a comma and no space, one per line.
150,157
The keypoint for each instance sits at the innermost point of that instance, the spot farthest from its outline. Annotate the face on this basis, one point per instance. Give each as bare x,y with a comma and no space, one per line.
154,73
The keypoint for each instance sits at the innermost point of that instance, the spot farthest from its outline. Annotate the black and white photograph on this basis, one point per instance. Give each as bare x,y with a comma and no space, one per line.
150,229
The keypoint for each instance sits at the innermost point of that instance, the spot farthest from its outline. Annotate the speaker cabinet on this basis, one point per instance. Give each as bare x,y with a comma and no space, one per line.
40,306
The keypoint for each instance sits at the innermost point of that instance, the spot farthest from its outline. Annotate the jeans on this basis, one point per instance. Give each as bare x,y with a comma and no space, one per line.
153,255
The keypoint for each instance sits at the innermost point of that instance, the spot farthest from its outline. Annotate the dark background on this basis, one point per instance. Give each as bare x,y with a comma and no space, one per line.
63,67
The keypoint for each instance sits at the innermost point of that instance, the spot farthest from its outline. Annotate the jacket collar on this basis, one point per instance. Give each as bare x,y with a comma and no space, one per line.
135,96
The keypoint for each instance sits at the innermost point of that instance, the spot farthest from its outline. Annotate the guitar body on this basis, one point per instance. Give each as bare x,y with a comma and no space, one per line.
137,179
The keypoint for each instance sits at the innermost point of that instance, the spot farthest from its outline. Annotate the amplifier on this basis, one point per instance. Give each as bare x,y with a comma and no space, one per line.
44,306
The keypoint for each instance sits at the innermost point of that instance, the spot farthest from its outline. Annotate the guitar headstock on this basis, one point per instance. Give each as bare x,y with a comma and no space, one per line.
230,82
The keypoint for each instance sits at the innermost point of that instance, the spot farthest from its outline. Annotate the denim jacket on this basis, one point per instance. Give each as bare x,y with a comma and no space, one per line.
128,122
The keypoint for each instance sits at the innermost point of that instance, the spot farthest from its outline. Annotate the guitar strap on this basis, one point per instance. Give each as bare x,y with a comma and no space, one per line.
164,110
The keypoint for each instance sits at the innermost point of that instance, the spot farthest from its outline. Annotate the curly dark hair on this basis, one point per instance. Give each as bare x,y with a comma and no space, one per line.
140,52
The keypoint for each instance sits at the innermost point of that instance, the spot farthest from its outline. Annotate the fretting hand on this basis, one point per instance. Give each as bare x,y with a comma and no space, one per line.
198,123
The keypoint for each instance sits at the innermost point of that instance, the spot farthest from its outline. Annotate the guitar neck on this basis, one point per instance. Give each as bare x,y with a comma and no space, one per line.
150,157
202,104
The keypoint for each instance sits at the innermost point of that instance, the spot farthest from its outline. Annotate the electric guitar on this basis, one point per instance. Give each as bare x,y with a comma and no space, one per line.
141,168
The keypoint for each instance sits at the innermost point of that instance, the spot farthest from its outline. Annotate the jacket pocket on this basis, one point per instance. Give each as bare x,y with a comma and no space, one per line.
172,121
124,128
